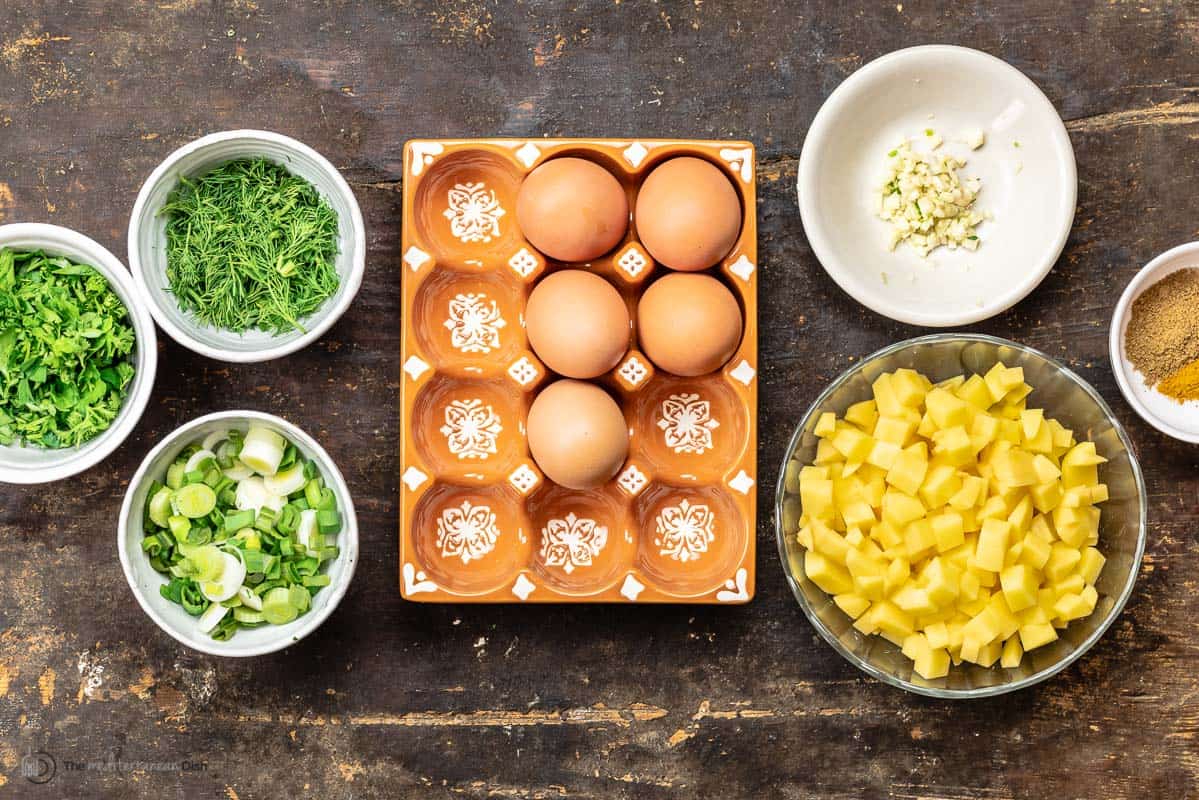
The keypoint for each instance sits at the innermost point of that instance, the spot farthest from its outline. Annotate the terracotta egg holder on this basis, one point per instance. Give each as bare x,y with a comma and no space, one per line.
478,521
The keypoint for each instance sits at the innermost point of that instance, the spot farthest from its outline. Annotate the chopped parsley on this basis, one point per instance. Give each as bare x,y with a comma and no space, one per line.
65,351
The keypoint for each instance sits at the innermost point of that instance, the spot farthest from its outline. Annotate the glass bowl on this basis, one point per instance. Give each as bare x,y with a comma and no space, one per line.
1063,395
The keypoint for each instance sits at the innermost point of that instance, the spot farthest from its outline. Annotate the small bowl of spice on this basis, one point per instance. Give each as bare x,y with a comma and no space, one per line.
1155,343
247,244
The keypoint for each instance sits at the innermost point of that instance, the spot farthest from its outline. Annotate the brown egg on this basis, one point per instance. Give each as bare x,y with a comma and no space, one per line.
688,214
688,324
577,434
572,209
578,324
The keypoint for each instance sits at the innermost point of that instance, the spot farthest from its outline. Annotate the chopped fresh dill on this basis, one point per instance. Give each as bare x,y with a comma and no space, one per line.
250,246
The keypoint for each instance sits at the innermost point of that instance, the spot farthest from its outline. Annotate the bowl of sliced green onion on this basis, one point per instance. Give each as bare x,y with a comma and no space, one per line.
238,534
248,245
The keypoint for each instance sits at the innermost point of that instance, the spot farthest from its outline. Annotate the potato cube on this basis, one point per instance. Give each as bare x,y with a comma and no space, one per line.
1045,469
1063,560
1020,517
884,395
932,663
1042,443
887,534
970,495
1031,422
908,471
899,509
942,582
1090,564
1070,607
992,544
1071,584
1081,455
865,623
898,572
1037,635
804,537
860,564
953,446
947,531
971,646
940,483
852,604
1099,493
1035,551
892,621
1079,475
909,387
828,542
1020,586
983,430
827,574
1012,653
872,587
975,392
863,414
1046,496
895,430
826,425
826,453
1042,529
995,508
1014,467
948,410
852,443
883,454
816,495
989,653
919,539
913,600
859,514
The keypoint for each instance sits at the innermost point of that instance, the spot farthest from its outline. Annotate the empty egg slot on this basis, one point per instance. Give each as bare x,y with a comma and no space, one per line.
469,325
583,541
692,539
470,540
465,211
469,431
690,430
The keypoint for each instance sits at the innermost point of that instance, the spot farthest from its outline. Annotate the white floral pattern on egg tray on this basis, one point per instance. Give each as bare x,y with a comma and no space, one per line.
468,532
572,542
474,212
687,423
471,429
474,323
684,531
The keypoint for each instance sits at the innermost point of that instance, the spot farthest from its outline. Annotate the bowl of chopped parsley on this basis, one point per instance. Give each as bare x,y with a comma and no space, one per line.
248,245
78,353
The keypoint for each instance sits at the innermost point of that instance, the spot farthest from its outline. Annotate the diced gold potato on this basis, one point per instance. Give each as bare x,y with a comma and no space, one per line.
826,425
951,519
863,414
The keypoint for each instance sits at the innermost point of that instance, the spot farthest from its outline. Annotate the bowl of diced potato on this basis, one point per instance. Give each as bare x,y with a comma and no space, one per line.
960,515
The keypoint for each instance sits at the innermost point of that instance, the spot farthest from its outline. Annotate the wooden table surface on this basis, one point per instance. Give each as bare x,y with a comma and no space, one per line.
391,699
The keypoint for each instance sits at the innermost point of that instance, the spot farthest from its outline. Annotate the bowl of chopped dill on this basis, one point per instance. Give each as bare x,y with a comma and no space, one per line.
78,353
248,245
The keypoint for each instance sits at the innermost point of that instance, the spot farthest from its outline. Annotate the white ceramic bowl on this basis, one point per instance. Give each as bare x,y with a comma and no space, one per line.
145,581
1030,188
147,242
1180,420
40,465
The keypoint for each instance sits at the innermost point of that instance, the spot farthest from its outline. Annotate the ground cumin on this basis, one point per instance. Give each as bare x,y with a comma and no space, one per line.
1163,331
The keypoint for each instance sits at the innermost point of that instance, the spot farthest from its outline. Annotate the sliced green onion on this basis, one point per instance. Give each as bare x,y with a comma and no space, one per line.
175,475
195,500
329,521
160,507
277,608
240,519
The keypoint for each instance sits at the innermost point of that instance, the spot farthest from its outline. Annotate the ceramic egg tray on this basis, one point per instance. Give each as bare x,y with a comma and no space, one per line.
478,521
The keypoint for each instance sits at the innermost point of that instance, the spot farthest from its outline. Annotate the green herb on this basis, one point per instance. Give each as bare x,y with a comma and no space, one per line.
250,246
893,153
928,131
65,345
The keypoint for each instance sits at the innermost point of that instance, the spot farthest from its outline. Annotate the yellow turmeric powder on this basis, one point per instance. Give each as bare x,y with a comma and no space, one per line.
1183,384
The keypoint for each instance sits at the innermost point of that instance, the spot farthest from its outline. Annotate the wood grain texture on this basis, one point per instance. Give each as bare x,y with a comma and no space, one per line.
391,699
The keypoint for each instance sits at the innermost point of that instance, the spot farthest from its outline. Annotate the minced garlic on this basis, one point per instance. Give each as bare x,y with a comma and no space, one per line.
926,202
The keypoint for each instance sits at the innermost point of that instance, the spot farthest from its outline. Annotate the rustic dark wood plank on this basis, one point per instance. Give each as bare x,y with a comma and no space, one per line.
395,699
